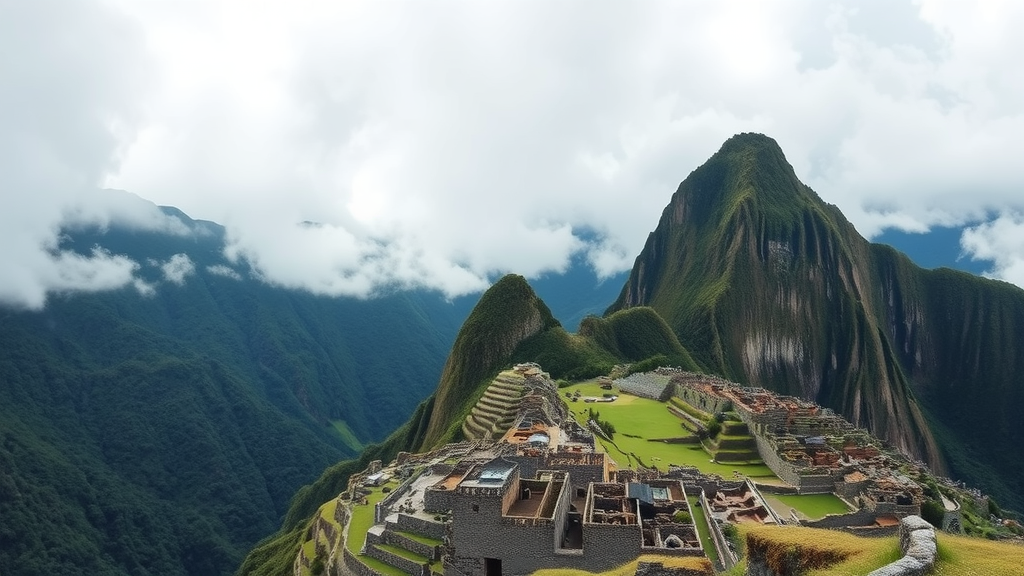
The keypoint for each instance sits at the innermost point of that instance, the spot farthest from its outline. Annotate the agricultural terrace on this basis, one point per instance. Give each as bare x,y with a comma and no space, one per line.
806,506
638,421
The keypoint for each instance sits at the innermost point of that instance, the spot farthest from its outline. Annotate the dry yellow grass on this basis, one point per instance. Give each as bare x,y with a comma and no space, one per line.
818,552
698,565
833,553
963,556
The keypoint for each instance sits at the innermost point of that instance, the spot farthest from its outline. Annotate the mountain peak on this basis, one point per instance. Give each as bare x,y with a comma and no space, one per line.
750,141
507,313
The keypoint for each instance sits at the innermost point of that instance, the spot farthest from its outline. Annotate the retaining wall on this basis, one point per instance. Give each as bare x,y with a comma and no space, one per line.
428,528
403,564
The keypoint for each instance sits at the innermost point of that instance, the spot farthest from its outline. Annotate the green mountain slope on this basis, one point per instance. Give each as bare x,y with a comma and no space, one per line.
509,324
766,284
167,433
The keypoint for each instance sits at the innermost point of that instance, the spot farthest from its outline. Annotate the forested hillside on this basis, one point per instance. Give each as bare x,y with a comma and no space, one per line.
164,431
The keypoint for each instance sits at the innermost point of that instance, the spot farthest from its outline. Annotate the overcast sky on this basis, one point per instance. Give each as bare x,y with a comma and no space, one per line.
437,144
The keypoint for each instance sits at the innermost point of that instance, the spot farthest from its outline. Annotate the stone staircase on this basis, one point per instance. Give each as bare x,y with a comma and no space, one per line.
734,444
405,544
496,410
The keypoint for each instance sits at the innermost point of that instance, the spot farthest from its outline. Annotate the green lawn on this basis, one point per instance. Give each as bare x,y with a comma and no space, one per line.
650,419
362,520
812,506
703,530
421,539
381,567
435,566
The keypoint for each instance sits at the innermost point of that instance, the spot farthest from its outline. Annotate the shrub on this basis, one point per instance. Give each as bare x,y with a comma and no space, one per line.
933,512
682,517
993,508
713,426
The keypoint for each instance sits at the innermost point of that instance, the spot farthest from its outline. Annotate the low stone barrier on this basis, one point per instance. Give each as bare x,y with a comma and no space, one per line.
403,564
659,569
917,540
407,523
402,541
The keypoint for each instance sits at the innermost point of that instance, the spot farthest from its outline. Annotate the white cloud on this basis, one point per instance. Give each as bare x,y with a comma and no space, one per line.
441,145
1000,240
31,279
68,106
225,271
177,268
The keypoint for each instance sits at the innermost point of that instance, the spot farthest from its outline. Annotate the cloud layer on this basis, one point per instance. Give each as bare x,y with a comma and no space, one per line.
353,147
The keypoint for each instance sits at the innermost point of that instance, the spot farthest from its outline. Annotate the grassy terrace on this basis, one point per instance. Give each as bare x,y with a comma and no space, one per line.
810,506
703,530
420,539
412,556
638,420
362,519
381,567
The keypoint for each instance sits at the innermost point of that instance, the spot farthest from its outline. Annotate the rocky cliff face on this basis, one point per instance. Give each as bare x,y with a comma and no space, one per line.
766,284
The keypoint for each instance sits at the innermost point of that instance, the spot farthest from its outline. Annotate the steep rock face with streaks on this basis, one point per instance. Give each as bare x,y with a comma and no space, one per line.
766,284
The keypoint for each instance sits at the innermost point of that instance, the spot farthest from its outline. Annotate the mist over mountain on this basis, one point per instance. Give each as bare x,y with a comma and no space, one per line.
172,420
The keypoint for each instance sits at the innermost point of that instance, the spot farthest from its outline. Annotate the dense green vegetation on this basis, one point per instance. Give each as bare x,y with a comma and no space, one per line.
767,285
166,434
637,336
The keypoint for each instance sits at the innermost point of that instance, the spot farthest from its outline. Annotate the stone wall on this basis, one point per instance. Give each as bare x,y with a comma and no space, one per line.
351,566
860,518
726,558
766,448
580,475
403,564
659,569
706,402
917,540
380,510
407,523
425,550
437,500
525,545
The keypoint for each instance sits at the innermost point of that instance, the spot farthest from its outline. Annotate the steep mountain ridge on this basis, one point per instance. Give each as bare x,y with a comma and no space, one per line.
508,313
767,285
